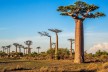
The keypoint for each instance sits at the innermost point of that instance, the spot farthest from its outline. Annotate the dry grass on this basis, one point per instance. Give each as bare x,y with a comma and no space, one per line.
50,66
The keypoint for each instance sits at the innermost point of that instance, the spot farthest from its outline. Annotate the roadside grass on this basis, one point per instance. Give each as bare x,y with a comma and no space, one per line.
49,66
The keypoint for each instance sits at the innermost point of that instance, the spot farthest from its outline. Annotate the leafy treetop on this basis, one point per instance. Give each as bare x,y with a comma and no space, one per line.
55,30
44,34
80,10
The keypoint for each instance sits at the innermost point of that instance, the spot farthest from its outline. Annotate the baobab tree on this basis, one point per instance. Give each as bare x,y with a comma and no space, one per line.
25,50
20,46
53,44
56,31
28,43
3,47
8,48
79,12
38,49
71,42
16,45
46,34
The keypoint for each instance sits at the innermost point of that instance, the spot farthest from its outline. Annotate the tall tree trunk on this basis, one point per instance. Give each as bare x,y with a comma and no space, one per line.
38,51
50,43
3,50
28,49
16,49
19,49
70,49
9,50
56,49
24,51
51,55
79,42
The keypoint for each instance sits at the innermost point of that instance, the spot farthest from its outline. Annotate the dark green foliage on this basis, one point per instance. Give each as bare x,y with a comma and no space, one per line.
80,10
63,53
17,54
99,53
2,54
33,54
51,51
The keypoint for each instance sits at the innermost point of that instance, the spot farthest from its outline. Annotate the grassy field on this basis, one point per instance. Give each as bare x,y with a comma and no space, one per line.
7,65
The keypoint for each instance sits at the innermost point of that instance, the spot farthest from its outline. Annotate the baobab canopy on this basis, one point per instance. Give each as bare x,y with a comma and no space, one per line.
80,10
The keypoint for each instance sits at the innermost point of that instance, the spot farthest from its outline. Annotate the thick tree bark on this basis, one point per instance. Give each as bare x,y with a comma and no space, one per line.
9,50
56,49
70,49
3,50
51,55
16,49
28,49
79,42
50,43
24,51
19,49
38,51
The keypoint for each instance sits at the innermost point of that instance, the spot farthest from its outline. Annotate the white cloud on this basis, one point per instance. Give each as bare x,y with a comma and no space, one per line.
100,46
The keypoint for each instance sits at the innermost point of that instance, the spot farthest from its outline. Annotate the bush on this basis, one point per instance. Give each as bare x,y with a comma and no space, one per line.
63,53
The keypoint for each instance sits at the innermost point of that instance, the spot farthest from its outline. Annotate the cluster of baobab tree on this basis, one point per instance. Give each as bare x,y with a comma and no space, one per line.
79,11
56,31
26,50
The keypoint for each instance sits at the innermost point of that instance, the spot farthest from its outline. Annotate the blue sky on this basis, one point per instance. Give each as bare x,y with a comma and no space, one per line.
22,19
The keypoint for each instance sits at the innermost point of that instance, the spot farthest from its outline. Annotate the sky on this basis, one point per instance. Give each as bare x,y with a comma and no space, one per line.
20,20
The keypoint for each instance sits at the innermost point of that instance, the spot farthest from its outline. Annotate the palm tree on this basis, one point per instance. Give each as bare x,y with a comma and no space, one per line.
28,42
8,48
3,47
71,42
56,31
79,12
46,34
16,45
38,49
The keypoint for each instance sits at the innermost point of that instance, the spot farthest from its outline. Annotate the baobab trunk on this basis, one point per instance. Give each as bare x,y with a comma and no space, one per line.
9,50
16,49
79,42
56,49
50,43
38,51
71,49
19,49
3,50
28,49
24,51
51,56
